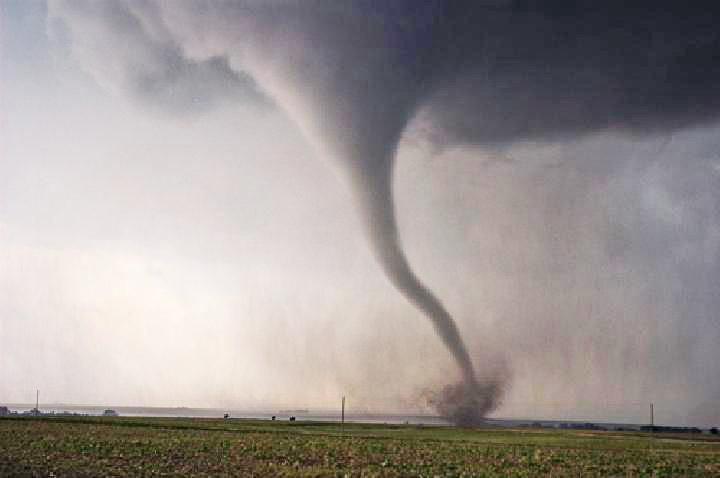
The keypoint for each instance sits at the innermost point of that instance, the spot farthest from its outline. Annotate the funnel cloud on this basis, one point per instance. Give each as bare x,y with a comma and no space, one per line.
359,76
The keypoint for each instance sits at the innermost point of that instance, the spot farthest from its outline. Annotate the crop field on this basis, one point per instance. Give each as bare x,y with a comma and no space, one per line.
204,447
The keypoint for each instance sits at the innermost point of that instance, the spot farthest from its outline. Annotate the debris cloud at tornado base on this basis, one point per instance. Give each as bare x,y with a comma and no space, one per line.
355,76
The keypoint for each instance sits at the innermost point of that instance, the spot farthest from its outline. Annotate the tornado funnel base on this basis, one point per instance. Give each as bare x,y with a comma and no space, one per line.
466,404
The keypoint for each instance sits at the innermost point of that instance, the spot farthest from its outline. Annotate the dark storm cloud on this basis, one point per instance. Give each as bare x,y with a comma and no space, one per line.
482,72
552,69
493,72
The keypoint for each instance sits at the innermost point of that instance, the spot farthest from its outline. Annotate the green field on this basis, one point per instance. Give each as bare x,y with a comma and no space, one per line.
196,447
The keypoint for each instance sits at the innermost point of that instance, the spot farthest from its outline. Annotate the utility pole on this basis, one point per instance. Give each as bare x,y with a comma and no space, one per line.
652,415
37,402
342,416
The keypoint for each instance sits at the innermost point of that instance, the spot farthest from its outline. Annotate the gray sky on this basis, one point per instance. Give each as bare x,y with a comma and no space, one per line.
156,250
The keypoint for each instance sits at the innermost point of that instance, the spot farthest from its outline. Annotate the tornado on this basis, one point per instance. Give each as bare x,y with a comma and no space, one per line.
369,160
464,403
374,196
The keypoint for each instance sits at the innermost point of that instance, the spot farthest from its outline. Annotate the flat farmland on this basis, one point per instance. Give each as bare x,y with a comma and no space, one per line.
207,447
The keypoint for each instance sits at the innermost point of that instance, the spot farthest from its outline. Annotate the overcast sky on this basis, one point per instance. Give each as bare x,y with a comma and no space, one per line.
199,244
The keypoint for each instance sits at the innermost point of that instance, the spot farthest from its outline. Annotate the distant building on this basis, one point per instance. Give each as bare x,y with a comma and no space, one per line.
4,411
110,413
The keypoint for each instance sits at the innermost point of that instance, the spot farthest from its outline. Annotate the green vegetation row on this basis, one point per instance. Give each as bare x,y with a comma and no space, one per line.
94,446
